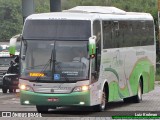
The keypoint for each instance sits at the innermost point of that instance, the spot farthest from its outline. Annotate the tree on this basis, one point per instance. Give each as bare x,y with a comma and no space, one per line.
10,18
11,21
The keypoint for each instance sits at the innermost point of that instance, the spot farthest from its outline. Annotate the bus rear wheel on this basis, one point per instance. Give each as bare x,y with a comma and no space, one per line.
101,107
42,109
138,97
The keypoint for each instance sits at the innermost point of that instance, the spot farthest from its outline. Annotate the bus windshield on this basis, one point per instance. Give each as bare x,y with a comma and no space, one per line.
55,61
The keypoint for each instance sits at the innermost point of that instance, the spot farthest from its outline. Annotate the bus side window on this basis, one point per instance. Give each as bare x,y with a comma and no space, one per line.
107,34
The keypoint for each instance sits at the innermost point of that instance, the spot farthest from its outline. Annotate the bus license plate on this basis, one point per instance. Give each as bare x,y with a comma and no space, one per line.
53,99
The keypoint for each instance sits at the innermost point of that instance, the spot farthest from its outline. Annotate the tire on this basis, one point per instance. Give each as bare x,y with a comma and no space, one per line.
14,90
42,109
10,90
101,107
4,90
138,97
128,100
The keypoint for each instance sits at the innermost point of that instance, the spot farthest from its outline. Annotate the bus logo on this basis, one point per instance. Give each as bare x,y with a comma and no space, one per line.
52,90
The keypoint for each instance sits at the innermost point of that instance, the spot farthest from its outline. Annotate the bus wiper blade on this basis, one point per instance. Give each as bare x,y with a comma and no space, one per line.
44,68
47,64
53,60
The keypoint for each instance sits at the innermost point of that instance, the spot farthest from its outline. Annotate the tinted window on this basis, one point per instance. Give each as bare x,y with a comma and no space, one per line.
127,33
107,35
97,33
57,29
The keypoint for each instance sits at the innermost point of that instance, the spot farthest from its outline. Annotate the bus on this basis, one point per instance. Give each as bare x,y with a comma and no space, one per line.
119,48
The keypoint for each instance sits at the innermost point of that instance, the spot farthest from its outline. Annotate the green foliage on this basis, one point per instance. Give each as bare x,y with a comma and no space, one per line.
42,6
11,20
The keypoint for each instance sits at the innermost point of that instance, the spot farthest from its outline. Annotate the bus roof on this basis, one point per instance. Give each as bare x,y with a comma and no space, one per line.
98,9
61,16
92,13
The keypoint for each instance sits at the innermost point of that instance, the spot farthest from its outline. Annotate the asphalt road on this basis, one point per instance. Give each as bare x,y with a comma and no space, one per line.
150,104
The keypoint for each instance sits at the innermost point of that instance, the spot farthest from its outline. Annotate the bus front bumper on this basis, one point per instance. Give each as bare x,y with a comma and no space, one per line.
71,99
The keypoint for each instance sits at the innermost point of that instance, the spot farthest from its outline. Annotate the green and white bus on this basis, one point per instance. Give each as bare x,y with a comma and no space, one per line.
120,53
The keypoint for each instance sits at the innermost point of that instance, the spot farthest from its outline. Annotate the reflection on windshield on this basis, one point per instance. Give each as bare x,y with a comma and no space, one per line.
4,48
5,61
18,47
5,58
57,60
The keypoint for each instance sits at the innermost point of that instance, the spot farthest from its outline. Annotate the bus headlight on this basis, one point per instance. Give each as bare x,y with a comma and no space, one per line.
25,87
81,88
22,87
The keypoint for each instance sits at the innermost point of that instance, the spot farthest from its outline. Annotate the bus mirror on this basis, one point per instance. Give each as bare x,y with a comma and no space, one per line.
13,44
92,46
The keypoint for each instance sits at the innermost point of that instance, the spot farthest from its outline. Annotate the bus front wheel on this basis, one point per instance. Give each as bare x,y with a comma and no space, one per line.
101,107
42,109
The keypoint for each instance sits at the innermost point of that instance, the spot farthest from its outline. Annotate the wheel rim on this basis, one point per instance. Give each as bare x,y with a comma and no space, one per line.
139,93
103,102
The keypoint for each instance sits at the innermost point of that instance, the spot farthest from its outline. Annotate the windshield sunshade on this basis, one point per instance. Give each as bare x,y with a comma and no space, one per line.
57,29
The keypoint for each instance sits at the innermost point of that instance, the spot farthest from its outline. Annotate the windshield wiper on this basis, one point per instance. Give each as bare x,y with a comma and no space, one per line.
52,66
53,56
48,63
52,62
43,69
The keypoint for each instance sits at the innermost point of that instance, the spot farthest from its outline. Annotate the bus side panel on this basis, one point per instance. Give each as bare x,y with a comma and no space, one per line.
148,78
152,78
142,69
124,67
112,83
113,71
